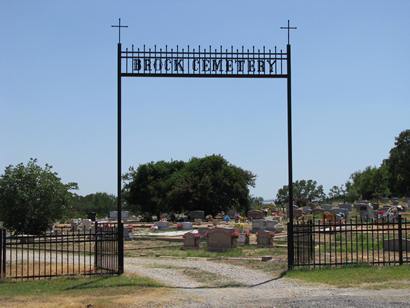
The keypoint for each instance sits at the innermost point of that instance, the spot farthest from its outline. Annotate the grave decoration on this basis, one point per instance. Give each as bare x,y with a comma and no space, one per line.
243,238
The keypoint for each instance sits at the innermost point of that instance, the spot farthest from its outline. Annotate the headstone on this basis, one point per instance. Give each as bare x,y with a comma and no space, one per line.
196,215
85,225
258,225
334,210
191,240
318,210
347,206
279,228
270,225
220,239
186,225
297,213
327,207
127,234
162,225
393,245
114,215
256,214
264,239
366,211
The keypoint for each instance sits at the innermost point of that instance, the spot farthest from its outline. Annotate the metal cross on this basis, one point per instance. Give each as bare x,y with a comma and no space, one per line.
288,28
119,29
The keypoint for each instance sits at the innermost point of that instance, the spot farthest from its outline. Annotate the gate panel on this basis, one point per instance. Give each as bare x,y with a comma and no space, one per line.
106,248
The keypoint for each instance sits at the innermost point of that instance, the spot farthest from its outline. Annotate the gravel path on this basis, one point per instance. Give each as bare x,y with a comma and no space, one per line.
169,271
261,289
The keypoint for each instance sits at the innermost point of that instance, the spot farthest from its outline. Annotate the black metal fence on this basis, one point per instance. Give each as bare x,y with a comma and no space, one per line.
318,243
73,253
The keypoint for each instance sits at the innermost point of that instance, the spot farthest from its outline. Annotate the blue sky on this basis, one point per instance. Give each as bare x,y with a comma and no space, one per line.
58,87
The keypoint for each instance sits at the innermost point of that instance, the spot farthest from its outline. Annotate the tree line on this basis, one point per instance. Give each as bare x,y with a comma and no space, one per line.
390,179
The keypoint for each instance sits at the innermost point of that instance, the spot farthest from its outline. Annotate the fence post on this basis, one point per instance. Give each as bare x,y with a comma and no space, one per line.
400,240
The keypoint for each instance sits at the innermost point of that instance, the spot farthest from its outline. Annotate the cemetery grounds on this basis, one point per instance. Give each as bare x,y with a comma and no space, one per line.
160,273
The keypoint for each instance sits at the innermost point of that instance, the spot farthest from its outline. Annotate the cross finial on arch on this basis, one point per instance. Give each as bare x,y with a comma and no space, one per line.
288,28
119,26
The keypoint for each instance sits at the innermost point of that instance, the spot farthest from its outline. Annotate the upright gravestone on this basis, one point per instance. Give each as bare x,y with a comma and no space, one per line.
264,239
221,239
191,240
258,225
255,214
347,206
162,225
270,225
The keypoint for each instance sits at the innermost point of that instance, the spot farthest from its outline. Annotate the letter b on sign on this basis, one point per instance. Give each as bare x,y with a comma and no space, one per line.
136,65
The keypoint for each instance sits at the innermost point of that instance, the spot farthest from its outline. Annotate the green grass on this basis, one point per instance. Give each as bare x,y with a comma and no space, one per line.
362,242
373,277
74,286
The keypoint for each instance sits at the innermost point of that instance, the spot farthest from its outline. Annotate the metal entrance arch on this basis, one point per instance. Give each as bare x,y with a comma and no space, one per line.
204,63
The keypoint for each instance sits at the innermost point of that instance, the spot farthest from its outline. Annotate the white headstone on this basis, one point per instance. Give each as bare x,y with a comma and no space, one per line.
114,215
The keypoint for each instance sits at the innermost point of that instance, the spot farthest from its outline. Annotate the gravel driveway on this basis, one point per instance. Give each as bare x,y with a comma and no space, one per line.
259,288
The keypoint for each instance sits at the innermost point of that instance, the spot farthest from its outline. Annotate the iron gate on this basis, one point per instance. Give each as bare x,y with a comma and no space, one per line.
91,252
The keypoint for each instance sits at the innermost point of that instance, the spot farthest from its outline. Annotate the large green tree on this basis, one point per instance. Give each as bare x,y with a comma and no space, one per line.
210,184
304,192
398,165
32,197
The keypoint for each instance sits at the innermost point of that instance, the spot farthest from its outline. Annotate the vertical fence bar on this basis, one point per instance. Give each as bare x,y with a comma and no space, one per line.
400,229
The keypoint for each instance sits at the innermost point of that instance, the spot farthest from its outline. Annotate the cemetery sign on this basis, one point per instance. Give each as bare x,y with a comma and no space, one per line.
199,62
